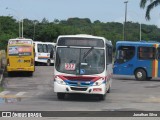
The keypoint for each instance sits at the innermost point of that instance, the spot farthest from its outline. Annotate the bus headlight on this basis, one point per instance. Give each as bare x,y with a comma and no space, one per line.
59,81
98,82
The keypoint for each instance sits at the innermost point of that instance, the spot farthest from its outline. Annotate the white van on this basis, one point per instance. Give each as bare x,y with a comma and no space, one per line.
42,52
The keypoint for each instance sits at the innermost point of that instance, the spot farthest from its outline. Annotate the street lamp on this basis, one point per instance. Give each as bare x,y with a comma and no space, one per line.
20,27
140,31
125,20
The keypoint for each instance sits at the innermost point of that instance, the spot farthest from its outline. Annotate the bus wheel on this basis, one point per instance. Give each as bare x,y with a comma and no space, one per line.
102,97
140,74
30,73
10,74
36,63
60,95
48,62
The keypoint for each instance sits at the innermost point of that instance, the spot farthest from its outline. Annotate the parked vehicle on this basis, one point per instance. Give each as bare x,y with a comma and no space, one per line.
42,52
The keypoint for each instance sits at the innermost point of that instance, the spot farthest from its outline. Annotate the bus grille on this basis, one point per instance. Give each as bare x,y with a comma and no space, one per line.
78,89
78,83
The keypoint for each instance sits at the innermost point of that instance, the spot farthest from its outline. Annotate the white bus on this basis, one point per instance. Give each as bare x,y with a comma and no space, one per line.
83,64
42,52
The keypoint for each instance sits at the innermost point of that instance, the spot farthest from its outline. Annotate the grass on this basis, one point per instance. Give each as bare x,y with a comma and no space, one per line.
1,89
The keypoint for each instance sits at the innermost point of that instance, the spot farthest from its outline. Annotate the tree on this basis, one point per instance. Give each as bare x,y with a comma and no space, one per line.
153,3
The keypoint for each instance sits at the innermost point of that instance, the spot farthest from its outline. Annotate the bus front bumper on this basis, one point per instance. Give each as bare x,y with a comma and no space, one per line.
59,88
12,69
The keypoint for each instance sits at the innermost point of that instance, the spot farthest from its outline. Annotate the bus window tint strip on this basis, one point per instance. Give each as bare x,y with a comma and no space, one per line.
84,42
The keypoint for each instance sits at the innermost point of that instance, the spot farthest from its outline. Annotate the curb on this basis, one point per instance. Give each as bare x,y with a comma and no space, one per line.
1,75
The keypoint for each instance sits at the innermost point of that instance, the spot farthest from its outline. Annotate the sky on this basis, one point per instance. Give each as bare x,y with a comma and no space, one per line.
102,10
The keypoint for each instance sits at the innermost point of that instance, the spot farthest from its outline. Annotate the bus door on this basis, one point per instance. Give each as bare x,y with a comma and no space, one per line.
124,63
20,56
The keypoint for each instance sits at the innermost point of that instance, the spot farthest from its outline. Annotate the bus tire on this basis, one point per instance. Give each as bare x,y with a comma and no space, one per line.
60,95
10,74
48,62
36,63
30,73
140,74
102,97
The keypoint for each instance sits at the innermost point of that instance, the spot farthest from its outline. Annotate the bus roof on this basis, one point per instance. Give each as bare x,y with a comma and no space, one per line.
82,35
20,39
136,43
52,43
86,36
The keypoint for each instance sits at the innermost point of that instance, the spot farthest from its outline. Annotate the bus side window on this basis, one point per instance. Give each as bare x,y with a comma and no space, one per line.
108,54
45,48
146,52
40,48
107,59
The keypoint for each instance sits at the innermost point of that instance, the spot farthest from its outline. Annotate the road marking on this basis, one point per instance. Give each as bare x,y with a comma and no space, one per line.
20,93
4,93
153,100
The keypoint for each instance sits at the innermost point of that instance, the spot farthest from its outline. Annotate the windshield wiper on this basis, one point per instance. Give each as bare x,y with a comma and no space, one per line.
87,53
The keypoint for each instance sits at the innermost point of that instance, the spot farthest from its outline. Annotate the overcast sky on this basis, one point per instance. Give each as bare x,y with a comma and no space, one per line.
103,10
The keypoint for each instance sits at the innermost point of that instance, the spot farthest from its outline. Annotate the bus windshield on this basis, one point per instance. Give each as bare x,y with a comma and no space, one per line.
125,53
80,61
19,50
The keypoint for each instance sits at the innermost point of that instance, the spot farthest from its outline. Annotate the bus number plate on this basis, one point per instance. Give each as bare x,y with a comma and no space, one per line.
70,66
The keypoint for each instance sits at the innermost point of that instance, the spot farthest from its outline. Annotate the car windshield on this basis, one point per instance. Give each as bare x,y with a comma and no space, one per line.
80,61
19,50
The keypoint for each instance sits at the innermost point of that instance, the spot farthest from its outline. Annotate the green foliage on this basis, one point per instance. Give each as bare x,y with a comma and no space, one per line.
1,89
150,6
49,31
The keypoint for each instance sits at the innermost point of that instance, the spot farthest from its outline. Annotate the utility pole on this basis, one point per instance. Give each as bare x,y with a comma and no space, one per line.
125,20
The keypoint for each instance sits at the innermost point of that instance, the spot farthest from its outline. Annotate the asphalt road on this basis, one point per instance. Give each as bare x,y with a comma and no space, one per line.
36,94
